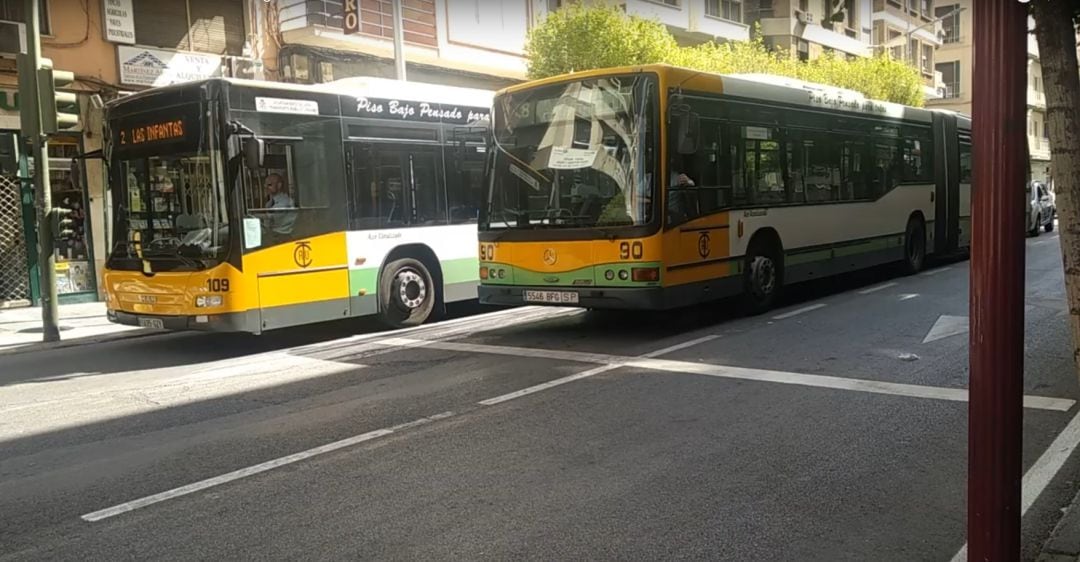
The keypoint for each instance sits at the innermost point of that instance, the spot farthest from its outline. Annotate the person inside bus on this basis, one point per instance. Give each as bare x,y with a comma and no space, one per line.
682,202
281,221
188,220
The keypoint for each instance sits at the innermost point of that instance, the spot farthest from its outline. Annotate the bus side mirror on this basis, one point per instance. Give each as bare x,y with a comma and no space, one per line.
254,153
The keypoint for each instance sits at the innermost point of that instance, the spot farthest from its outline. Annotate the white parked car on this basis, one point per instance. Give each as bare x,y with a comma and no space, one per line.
1040,208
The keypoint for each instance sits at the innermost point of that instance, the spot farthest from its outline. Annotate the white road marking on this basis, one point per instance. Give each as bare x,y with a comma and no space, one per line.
722,371
930,272
947,326
878,288
337,445
611,366
798,311
256,469
1041,242
909,296
1039,476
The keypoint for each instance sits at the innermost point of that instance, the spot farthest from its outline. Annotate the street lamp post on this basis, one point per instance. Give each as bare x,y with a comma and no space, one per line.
996,345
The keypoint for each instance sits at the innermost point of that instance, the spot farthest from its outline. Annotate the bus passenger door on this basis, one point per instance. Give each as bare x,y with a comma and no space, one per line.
947,184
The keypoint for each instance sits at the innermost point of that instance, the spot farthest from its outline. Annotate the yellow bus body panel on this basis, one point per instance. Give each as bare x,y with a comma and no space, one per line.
310,270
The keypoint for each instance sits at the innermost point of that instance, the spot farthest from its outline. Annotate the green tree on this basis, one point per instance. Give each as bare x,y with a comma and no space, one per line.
1056,32
579,37
584,37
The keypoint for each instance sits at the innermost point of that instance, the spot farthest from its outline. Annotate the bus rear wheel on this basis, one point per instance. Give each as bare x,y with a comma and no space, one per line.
762,278
914,246
406,294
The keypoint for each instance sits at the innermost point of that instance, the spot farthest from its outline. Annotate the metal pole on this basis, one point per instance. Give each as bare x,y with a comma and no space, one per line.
996,349
399,41
50,315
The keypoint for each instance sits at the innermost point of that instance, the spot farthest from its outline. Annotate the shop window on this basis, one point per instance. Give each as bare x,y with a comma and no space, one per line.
74,266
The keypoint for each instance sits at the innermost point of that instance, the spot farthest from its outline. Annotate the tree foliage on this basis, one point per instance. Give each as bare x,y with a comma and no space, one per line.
583,37
578,37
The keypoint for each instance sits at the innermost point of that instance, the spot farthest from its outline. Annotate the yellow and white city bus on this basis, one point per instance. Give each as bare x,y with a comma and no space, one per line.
657,187
249,206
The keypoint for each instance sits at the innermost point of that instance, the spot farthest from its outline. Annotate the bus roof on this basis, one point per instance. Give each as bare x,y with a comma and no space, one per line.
356,87
767,87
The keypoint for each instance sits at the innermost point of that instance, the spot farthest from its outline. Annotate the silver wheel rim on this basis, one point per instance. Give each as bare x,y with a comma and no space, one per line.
412,290
762,276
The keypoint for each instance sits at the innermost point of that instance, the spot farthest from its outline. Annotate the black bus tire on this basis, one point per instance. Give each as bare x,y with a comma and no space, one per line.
1050,225
763,276
914,246
407,294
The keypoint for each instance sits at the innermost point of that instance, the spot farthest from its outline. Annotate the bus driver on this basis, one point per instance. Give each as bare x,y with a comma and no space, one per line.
281,222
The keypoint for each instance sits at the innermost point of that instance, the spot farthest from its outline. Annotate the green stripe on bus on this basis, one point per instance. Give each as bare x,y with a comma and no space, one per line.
590,276
462,270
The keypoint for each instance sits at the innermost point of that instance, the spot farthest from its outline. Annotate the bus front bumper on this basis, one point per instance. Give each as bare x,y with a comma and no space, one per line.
616,298
225,322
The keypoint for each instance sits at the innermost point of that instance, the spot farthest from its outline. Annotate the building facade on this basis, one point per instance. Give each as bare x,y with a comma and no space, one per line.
954,62
114,47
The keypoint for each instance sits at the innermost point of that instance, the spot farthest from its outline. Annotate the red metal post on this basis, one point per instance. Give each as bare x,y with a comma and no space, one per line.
999,82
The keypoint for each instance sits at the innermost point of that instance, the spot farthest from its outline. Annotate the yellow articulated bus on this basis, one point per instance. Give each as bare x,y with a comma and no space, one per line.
658,187
249,206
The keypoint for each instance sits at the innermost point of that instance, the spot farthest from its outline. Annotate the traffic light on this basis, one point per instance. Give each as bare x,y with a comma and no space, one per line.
59,110
62,224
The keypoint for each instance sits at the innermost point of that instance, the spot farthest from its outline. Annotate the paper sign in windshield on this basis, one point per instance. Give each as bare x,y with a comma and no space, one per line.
563,158
525,177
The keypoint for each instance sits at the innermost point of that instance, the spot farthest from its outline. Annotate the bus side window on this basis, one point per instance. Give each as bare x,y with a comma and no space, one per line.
965,162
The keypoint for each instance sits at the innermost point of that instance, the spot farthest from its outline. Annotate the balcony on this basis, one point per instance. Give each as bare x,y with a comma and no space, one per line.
952,90
690,19
812,31
1036,99
490,43
1039,148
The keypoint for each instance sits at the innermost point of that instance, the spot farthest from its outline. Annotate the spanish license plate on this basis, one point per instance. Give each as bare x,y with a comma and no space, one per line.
553,297
157,323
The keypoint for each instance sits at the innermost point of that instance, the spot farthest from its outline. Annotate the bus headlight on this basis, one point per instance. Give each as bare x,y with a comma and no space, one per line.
207,301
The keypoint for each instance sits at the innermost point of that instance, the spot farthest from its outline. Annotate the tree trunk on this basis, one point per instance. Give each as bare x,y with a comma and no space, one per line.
1056,34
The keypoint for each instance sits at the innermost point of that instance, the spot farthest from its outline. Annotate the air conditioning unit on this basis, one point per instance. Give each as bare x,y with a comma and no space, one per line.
804,18
243,67
12,38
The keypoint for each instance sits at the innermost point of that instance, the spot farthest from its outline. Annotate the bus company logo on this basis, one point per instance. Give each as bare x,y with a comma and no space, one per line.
302,254
148,299
550,257
703,248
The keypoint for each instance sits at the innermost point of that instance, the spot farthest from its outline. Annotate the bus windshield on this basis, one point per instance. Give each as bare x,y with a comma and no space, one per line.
167,192
573,155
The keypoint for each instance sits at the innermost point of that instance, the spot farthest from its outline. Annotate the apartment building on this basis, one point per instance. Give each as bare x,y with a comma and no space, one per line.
113,47
954,62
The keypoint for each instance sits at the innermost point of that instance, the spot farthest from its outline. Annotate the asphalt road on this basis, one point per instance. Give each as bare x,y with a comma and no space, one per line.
833,428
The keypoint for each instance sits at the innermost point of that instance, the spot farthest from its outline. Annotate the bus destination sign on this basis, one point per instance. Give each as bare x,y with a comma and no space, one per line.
424,112
154,132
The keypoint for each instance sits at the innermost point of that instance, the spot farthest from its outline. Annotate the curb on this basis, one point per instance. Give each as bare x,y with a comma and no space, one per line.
1064,542
19,349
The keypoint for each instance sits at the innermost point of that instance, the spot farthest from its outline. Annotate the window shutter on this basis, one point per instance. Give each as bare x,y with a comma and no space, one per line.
217,26
161,24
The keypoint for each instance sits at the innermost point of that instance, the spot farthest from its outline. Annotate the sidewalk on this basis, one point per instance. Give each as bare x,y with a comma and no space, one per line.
1064,543
83,323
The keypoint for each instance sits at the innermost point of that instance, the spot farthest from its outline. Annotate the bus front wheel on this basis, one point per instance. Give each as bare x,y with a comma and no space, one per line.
406,294
763,277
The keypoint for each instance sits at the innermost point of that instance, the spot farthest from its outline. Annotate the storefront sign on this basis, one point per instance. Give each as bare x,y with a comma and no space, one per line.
153,67
119,21
350,11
